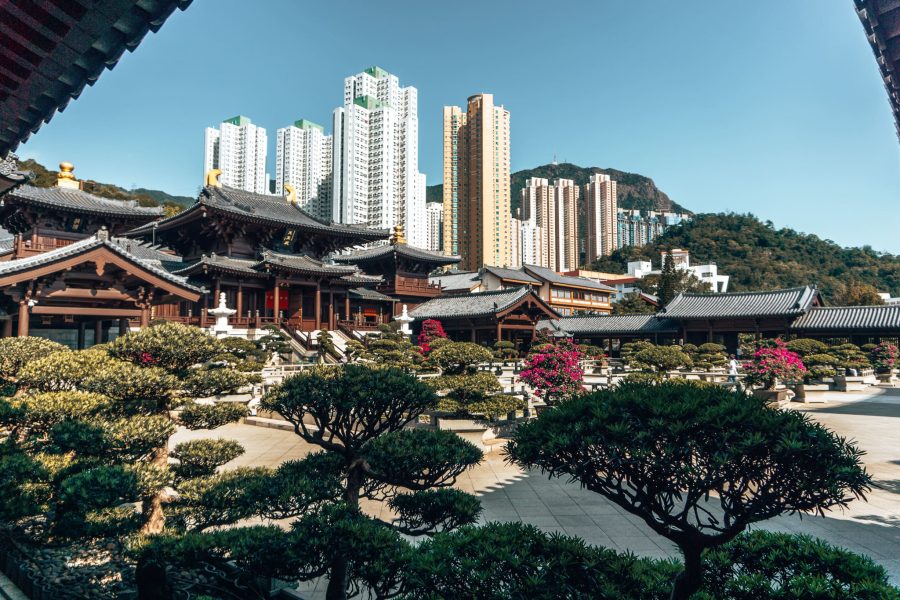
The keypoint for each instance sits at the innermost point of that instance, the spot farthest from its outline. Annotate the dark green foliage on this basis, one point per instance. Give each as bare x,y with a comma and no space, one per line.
499,561
204,383
201,458
778,566
757,256
210,416
419,459
134,389
172,346
665,289
504,350
855,293
219,499
456,358
431,511
805,347
19,478
661,359
664,452
301,485
632,304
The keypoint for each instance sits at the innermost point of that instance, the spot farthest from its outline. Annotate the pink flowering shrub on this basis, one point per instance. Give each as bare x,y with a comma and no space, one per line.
884,357
773,362
431,330
146,359
554,372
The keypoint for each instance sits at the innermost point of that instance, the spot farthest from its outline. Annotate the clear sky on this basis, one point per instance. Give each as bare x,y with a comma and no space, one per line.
773,107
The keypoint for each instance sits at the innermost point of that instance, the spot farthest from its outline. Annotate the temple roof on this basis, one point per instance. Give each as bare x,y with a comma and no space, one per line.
303,264
457,282
611,325
791,302
51,50
367,294
400,250
236,266
79,202
86,245
553,277
881,20
849,319
480,304
272,211
10,175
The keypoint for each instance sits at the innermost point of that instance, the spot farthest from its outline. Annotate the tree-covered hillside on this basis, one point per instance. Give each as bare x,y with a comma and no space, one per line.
633,190
758,256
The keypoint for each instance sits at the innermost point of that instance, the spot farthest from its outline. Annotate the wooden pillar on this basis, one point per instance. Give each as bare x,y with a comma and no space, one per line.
240,300
218,290
347,306
7,327
276,301
318,306
98,331
123,326
472,334
331,309
499,331
23,318
81,331
145,316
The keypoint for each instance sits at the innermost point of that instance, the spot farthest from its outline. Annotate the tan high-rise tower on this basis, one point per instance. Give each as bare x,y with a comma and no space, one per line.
601,217
477,220
552,210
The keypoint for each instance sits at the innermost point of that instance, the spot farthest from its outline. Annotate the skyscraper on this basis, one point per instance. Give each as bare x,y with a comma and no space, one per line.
476,183
238,149
550,222
435,220
601,217
303,156
376,156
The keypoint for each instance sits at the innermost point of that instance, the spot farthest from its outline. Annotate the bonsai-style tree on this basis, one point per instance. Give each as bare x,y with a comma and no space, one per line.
850,356
504,350
629,349
431,330
806,347
359,415
884,357
819,366
772,363
697,463
393,348
326,345
555,374
710,356
466,390
661,359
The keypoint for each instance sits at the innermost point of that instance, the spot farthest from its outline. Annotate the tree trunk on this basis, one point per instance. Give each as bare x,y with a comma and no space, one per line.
152,506
340,566
688,581
152,582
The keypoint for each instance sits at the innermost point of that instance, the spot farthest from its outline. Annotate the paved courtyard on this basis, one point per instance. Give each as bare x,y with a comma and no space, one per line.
508,494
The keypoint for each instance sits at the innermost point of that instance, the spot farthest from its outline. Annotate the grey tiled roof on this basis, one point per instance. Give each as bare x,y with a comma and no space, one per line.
222,263
553,277
402,250
362,278
850,318
367,294
270,210
611,325
79,201
455,282
85,245
512,274
303,264
789,302
146,251
470,305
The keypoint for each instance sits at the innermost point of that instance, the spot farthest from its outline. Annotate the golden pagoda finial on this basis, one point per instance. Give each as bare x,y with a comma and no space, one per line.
66,177
212,178
397,237
291,193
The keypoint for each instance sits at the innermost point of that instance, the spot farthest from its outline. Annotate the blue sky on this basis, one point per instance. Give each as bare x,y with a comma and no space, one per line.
773,107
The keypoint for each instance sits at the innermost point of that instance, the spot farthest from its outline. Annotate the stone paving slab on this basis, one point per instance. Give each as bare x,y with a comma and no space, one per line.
508,494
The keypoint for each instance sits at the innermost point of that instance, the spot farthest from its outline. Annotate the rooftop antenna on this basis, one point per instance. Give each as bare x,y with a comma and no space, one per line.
554,160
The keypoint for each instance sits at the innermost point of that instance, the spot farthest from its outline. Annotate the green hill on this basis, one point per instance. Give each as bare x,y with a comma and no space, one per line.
634,191
44,177
758,256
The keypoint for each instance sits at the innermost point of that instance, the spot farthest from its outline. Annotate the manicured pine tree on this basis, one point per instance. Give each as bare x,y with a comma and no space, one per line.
667,280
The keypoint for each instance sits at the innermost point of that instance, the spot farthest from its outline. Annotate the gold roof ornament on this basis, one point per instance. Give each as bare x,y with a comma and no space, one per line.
66,177
212,178
398,237
291,193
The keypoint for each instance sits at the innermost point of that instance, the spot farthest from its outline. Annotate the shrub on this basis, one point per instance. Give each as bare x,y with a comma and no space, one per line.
203,383
772,363
806,346
504,350
431,330
211,416
43,410
456,358
201,458
172,346
661,359
555,374
884,357
16,352
134,389
62,371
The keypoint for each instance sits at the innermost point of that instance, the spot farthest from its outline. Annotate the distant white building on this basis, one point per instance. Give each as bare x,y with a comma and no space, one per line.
708,274
303,160
434,225
376,156
237,147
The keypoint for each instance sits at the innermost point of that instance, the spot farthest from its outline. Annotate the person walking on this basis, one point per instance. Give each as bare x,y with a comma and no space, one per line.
733,370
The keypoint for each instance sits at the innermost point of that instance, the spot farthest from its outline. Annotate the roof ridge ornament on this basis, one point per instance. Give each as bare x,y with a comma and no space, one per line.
66,177
291,193
398,236
212,178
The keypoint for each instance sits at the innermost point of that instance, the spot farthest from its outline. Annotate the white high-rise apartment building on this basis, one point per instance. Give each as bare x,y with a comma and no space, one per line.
601,217
376,179
435,222
303,156
238,149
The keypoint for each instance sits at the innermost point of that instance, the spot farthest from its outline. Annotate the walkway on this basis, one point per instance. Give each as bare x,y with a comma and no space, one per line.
508,494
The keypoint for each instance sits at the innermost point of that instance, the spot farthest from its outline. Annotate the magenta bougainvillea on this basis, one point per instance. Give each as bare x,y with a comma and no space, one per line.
554,373
884,357
773,363
431,330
